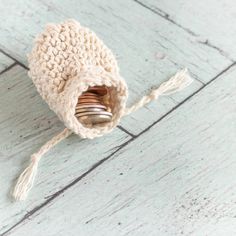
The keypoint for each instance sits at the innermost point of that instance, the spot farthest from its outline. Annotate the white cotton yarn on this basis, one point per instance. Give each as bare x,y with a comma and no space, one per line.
68,58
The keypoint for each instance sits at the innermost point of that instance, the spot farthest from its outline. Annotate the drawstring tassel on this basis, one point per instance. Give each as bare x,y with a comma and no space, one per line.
176,83
26,179
179,81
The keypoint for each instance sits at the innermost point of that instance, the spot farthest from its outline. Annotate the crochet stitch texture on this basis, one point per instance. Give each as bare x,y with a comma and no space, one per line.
68,58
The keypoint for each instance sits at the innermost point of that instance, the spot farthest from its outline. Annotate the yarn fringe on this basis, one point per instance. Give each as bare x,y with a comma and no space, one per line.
176,83
25,182
26,179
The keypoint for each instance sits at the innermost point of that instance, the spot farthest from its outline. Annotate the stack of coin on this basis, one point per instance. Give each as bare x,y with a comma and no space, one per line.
91,108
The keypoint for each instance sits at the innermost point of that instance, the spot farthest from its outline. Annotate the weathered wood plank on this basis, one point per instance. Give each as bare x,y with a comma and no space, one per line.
5,62
149,48
26,123
213,22
178,178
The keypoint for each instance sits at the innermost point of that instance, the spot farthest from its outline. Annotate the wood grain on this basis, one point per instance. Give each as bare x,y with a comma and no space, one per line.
5,62
149,48
212,22
26,123
178,178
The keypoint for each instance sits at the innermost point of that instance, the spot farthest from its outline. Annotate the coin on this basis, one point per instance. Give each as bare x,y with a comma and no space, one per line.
93,113
95,119
93,98
93,106
89,101
90,106
89,109
90,96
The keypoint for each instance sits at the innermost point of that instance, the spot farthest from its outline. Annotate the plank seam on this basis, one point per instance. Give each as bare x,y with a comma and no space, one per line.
126,131
8,68
99,163
166,16
14,59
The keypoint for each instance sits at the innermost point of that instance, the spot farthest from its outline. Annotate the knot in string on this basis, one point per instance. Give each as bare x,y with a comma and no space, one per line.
154,94
35,159
176,83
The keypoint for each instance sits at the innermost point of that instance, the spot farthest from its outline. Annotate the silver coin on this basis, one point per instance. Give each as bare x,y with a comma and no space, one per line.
106,113
90,106
88,109
89,103
95,119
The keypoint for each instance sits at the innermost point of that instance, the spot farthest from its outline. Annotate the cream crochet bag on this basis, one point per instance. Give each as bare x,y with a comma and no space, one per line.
66,59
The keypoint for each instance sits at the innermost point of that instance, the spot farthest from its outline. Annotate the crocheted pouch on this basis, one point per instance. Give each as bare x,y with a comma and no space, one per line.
67,59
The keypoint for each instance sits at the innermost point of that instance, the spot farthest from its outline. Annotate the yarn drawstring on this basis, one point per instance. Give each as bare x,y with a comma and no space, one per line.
25,181
176,83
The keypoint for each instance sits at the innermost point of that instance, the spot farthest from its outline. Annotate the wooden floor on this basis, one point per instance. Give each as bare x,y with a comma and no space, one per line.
168,169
